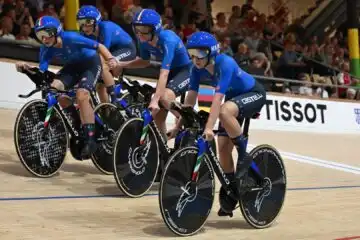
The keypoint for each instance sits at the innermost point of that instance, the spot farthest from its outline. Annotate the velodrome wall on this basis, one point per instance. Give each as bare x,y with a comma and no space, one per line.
281,113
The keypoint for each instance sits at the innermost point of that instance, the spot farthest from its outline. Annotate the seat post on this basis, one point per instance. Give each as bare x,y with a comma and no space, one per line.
182,98
246,127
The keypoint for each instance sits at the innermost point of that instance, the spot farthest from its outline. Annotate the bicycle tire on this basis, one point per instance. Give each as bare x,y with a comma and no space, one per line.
28,130
177,175
127,166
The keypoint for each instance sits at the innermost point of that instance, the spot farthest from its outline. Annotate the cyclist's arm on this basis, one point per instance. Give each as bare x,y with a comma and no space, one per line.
169,52
139,62
107,37
45,57
224,80
104,52
192,94
85,42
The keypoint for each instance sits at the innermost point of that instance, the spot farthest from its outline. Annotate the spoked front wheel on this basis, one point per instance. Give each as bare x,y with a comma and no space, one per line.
261,207
135,165
185,205
41,150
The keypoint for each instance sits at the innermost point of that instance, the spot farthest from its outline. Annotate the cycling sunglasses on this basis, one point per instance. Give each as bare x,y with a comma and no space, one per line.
143,30
44,34
86,21
198,53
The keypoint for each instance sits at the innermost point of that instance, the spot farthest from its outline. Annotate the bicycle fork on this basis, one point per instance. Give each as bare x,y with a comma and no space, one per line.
52,101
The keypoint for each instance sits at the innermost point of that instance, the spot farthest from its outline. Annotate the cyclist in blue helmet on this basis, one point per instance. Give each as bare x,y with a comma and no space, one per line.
164,45
243,96
119,42
82,66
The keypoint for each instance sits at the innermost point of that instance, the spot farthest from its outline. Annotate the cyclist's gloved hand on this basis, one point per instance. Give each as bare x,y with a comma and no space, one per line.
154,107
208,134
113,62
21,66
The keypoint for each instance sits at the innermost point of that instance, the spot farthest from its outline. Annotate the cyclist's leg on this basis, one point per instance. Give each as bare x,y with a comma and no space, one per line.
102,92
178,83
88,78
245,105
65,80
225,146
108,83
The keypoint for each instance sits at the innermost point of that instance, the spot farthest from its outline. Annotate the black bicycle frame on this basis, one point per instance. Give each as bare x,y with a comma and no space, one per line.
204,147
53,103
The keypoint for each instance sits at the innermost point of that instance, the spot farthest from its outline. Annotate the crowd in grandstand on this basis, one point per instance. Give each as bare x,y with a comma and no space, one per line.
246,34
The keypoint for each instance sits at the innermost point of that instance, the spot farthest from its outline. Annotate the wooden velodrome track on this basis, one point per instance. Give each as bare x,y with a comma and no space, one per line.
322,200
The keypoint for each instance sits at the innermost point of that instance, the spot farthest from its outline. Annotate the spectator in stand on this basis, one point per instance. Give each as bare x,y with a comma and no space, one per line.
225,46
265,45
9,11
49,10
235,31
168,17
249,21
344,78
327,54
1,5
305,89
242,56
290,65
23,15
245,8
253,41
260,23
235,14
24,35
260,65
281,11
198,17
132,10
335,43
7,28
327,41
271,28
19,8
36,6
221,26
168,11
188,29
103,11
312,51
338,58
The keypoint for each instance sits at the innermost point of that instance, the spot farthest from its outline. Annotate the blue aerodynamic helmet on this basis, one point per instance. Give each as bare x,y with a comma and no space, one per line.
149,18
88,14
47,26
202,45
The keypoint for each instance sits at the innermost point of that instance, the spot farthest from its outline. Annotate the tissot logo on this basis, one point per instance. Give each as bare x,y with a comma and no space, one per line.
300,112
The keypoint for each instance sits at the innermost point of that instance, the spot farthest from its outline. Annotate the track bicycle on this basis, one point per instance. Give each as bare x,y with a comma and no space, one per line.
187,186
128,104
141,151
42,129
